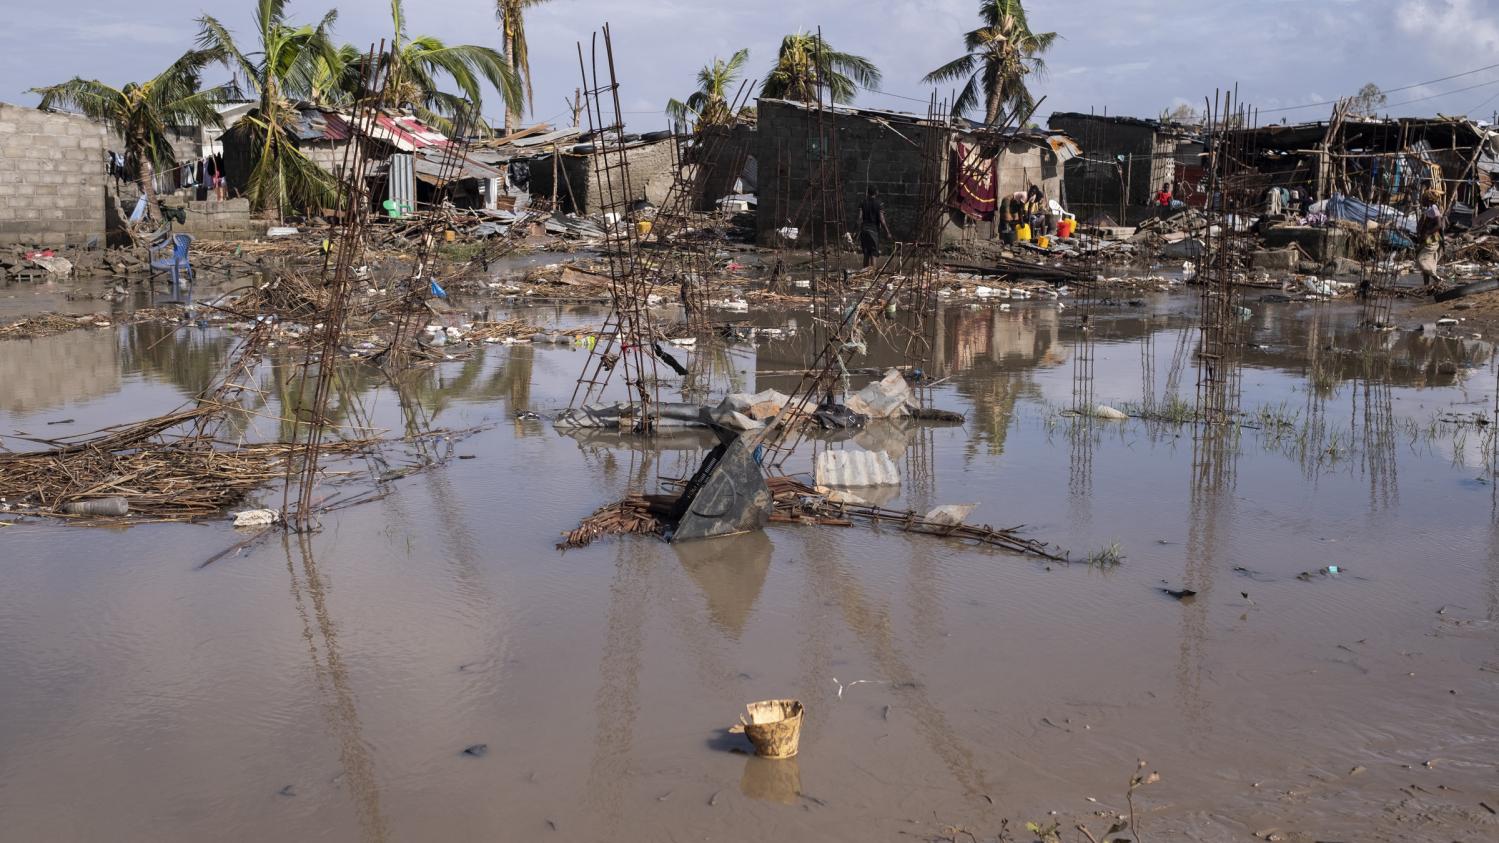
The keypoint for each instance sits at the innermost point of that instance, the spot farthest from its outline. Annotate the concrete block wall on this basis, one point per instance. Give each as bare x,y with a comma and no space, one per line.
652,168
52,178
1094,188
217,221
868,154
723,157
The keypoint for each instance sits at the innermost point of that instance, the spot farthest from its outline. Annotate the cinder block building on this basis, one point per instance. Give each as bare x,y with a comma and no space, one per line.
52,178
1125,161
894,153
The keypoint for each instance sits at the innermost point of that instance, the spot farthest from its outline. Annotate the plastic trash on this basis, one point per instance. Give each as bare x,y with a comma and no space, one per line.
104,507
256,518
951,515
889,397
761,405
1103,411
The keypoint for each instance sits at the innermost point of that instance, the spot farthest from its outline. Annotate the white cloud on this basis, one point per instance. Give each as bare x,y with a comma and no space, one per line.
1131,56
1467,28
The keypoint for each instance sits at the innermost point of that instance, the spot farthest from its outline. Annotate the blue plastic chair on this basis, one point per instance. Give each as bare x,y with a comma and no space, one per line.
170,256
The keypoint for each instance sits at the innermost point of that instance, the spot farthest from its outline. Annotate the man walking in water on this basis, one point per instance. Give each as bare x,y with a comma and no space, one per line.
871,223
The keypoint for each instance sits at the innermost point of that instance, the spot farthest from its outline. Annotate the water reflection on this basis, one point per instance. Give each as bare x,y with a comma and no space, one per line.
768,780
52,371
309,586
1375,430
189,358
617,703
731,573
871,625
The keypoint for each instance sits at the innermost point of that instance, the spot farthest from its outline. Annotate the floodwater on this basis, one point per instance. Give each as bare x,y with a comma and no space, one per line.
326,686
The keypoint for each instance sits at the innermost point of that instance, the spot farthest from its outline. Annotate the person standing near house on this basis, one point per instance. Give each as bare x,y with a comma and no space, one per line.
1429,238
871,224
1011,214
1035,209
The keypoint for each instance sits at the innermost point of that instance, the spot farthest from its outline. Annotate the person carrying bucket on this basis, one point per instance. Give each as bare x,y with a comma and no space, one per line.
1429,238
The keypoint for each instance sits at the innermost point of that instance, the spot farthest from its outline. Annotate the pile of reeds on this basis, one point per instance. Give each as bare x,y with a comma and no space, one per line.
50,325
631,516
290,296
517,329
159,475
1481,250
798,503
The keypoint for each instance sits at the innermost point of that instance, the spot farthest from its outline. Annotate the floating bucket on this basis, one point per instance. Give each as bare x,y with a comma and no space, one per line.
773,726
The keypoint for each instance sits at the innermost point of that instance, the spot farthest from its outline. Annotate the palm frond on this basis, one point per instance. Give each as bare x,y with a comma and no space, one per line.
680,112
88,97
967,98
958,68
213,37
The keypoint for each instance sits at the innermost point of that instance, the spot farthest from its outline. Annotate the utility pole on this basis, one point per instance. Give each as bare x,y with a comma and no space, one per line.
576,106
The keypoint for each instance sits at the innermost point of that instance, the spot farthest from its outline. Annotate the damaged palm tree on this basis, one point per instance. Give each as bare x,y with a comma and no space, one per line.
143,113
282,67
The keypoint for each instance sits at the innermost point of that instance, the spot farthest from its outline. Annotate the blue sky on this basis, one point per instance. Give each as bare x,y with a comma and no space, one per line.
1130,56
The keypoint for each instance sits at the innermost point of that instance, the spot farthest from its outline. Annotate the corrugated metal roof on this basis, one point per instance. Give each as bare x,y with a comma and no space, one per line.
547,139
315,124
433,164
405,132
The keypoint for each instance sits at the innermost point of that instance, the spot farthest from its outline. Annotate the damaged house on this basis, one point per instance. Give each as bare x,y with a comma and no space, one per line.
568,166
1124,162
889,150
1376,160
1368,171
405,160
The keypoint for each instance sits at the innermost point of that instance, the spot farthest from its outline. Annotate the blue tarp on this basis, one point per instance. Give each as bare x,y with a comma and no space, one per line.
1341,207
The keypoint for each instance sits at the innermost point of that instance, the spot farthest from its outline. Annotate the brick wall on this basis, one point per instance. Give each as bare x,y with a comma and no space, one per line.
652,168
217,221
52,178
868,154
1096,188
723,156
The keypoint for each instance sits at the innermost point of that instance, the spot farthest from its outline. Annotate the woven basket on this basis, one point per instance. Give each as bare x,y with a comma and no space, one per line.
774,727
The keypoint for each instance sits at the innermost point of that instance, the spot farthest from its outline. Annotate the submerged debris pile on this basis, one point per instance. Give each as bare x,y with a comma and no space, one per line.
50,325
155,473
798,503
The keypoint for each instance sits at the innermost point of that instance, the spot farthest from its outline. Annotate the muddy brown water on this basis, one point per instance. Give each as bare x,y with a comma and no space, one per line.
326,687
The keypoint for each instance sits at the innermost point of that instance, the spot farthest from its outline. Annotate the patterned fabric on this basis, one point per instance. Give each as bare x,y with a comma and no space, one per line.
975,182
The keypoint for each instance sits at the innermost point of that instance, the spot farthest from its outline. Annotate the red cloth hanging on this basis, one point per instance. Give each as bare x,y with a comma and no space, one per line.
975,182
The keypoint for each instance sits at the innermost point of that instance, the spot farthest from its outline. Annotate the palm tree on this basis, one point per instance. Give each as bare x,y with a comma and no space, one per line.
143,113
806,63
287,66
709,104
512,17
1001,54
415,63
339,81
